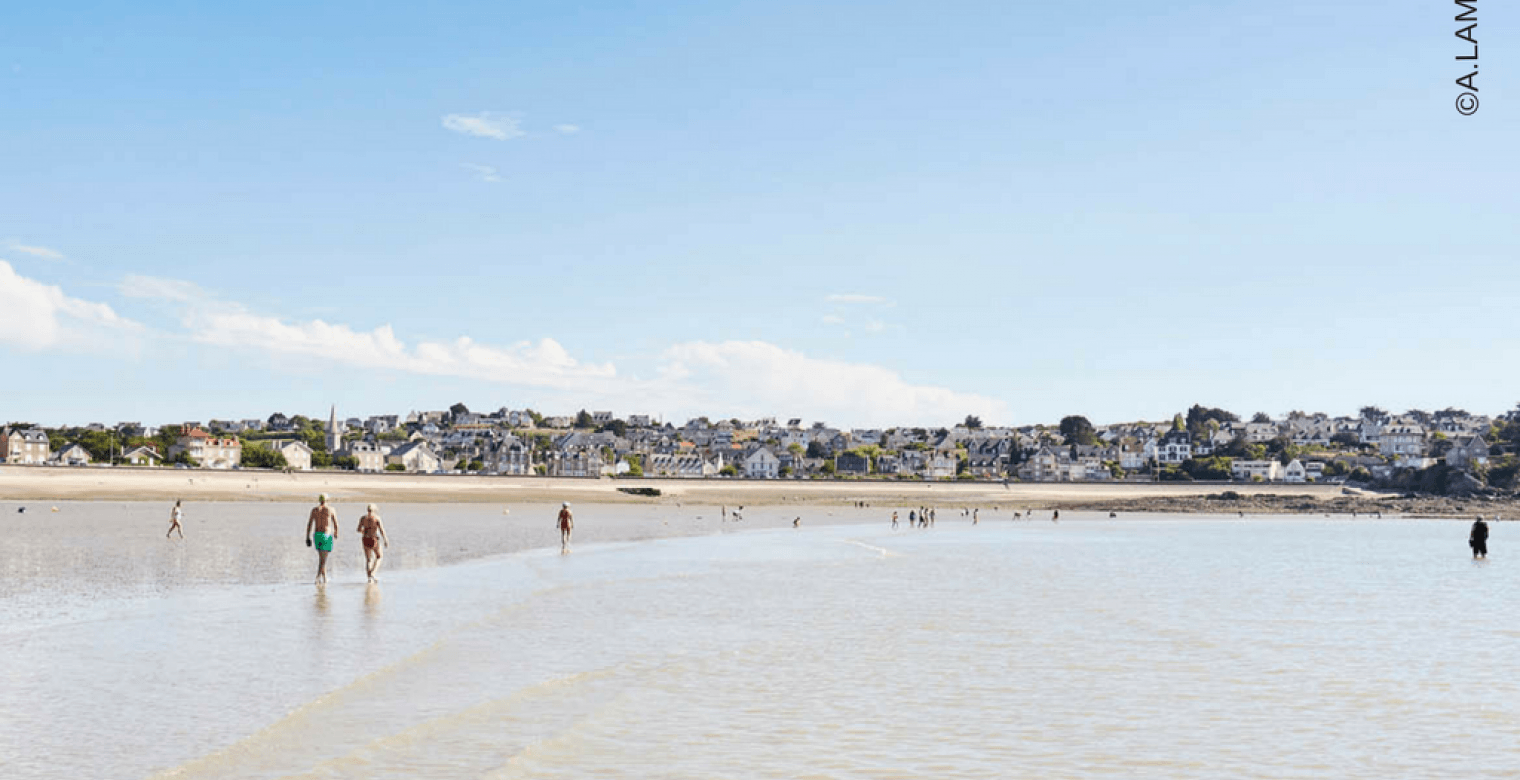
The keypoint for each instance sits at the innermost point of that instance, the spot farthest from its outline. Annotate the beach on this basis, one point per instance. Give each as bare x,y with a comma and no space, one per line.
167,484
672,643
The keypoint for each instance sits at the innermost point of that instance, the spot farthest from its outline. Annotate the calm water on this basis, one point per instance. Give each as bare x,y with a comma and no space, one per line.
1093,648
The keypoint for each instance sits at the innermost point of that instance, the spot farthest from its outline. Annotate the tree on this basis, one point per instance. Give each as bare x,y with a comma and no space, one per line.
260,457
816,449
728,471
346,462
1372,413
827,468
973,422
583,419
1199,417
458,410
1261,417
1177,423
795,449
1076,429
1346,439
635,465
618,428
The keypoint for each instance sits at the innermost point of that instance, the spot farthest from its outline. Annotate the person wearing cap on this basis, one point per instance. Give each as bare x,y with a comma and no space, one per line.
321,532
1477,539
566,524
372,532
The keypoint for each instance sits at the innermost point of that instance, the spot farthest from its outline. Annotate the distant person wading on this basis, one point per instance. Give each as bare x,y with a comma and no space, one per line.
1477,539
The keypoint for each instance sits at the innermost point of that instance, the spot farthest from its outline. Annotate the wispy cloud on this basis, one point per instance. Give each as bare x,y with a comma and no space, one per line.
833,319
483,172
854,298
43,252
486,124
135,286
39,316
758,378
750,378
567,129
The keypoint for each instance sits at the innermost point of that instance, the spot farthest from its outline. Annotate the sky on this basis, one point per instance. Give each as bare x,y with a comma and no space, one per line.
870,214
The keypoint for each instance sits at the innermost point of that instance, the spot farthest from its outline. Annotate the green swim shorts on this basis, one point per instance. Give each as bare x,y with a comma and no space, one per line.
323,541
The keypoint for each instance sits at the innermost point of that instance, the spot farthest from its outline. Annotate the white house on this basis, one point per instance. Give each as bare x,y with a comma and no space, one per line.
297,454
1294,472
414,456
73,455
1175,447
1402,436
146,455
366,453
1254,470
762,464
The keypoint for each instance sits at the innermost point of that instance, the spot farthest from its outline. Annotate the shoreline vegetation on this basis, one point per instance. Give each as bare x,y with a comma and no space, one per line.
23,483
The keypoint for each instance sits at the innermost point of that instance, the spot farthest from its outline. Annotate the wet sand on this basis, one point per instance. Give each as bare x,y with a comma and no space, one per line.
144,484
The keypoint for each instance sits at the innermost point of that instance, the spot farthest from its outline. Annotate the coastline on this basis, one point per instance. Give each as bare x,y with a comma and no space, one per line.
31,483
158,484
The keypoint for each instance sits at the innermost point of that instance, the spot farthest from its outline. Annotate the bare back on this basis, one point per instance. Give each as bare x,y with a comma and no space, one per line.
369,526
323,519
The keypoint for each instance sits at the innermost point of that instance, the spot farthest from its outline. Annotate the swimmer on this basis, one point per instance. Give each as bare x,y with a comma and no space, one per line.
321,532
174,518
372,533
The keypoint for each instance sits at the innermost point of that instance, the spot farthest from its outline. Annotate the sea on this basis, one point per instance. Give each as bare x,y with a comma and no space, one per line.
674,642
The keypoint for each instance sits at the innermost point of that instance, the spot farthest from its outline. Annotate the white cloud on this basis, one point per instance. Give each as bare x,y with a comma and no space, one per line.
758,378
833,319
486,124
36,251
749,378
483,172
225,324
567,129
135,286
854,298
38,316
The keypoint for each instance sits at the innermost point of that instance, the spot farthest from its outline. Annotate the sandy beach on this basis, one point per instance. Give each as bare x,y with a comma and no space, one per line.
159,484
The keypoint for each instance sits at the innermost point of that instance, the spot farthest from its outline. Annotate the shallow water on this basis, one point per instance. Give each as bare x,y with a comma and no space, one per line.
1092,648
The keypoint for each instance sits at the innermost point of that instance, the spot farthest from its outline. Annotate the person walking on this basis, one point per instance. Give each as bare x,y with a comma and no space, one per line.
175,515
894,521
372,532
321,532
566,525
1477,538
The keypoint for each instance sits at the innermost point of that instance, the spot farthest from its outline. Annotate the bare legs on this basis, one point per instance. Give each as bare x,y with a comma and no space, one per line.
321,567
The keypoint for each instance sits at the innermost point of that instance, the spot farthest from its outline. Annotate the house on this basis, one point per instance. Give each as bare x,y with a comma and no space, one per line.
638,421
28,446
761,463
278,422
558,422
1175,447
368,455
1467,452
1295,472
207,450
601,418
1132,458
511,456
1402,436
146,455
579,462
72,455
1047,464
297,454
414,456
853,464
1255,470
688,466
940,467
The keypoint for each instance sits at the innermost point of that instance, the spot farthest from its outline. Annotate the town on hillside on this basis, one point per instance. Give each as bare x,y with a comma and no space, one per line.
1440,452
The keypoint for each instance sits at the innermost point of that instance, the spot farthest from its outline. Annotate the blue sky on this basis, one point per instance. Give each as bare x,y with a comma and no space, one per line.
866,213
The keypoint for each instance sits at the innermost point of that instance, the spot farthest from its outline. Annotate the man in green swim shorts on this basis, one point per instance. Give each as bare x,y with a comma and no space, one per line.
321,532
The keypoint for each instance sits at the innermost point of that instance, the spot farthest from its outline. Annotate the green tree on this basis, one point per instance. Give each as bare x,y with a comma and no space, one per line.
346,462
635,465
827,468
617,428
583,419
1261,417
1076,429
728,471
795,448
258,456
1372,413
817,450
973,422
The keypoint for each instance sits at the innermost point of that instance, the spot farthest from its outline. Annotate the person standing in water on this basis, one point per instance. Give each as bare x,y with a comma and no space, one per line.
566,525
1477,539
975,515
175,515
372,532
321,532
894,521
